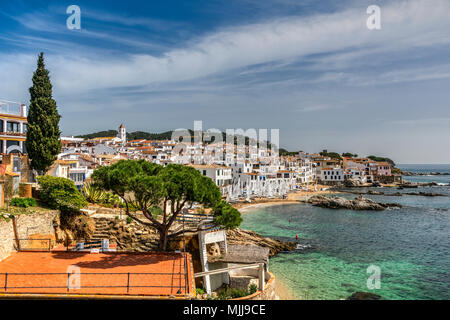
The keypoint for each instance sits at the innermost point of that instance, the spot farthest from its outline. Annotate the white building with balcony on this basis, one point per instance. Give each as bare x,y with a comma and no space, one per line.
13,127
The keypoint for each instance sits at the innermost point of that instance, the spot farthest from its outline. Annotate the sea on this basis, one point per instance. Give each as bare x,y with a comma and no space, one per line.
401,253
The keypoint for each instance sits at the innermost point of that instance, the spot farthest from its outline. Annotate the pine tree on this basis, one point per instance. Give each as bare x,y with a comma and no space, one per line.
43,134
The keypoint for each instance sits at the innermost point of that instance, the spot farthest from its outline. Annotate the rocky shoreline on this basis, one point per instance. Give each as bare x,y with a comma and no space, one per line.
356,204
396,194
408,173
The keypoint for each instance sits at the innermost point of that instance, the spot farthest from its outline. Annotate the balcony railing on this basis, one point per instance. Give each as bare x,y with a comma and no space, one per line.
10,108
12,133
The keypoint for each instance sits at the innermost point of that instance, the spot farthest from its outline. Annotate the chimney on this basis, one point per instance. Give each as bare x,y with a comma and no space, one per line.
23,110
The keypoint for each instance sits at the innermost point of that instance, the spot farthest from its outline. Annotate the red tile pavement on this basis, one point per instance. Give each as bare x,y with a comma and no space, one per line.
150,273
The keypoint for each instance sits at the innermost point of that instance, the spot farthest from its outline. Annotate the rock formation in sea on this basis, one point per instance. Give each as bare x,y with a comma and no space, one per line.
359,203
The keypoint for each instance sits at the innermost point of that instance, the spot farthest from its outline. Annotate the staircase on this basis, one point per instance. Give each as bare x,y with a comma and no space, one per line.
101,230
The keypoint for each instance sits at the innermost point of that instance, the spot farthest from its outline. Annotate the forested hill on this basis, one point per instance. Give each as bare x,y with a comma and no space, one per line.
136,135
130,135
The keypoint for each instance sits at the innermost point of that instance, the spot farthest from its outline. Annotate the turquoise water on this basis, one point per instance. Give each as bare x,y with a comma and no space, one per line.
411,245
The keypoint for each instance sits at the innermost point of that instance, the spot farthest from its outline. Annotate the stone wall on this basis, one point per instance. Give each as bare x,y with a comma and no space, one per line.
6,238
129,236
41,223
267,294
27,225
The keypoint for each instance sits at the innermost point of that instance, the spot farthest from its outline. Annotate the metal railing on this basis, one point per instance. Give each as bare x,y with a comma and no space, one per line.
88,245
196,219
28,244
74,245
12,280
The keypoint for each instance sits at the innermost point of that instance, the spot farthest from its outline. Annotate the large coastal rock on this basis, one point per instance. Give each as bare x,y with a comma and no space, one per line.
351,183
359,203
364,296
247,237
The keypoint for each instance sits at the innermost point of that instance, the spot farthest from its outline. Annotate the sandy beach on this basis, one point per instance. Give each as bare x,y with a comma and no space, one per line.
297,196
282,292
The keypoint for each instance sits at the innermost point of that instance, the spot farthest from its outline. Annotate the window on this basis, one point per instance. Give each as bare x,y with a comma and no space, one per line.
1,125
12,126
25,127
204,172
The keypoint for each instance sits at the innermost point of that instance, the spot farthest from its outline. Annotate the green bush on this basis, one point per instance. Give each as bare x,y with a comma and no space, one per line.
23,202
129,220
229,293
111,199
200,291
238,293
227,216
91,193
253,288
60,193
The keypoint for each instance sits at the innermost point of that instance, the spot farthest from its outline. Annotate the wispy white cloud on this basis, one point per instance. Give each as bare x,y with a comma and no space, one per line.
292,69
404,24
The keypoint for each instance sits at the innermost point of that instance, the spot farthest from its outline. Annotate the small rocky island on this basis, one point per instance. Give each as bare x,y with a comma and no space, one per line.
359,203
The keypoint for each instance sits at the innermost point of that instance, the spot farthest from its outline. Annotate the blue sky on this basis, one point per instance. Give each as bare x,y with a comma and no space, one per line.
309,68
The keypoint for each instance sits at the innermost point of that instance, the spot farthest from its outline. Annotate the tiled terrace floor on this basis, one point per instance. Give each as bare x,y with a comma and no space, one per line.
159,274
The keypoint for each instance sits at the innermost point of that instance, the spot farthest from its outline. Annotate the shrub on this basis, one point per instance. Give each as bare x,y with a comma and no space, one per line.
253,288
23,202
60,193
227,216
111,199
156,211
129,220
237,293
91,193
200,291
229,293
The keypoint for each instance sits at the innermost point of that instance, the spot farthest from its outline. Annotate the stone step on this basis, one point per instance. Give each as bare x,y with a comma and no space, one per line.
102,224
102,229
100,235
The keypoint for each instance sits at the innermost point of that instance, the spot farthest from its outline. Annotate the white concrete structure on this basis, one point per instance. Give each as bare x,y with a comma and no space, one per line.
122,134
13,127
332,175
212,282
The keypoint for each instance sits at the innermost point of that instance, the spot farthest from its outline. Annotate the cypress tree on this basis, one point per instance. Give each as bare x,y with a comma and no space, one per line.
43,134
